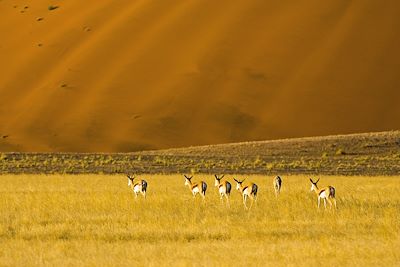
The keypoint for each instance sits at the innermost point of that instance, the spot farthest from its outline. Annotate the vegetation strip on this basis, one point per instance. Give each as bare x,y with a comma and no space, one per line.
357,154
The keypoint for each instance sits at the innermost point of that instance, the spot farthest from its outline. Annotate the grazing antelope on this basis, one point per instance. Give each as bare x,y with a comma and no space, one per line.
224,188
277,185
196,188
326,193
138,187
248,191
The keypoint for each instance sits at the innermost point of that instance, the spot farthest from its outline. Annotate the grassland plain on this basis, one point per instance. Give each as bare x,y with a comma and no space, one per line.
94,220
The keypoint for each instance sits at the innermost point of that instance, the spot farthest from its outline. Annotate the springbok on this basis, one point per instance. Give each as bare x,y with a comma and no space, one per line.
277,185
326,193
196,188
248,191
224,188
139,187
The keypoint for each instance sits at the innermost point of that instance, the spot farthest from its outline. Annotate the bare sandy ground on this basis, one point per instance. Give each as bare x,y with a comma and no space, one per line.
132,75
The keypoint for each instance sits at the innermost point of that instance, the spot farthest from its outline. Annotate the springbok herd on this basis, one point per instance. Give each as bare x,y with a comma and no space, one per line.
248,191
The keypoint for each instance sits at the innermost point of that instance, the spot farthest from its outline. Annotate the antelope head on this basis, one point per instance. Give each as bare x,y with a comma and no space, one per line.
314,185
218,179
188,180
238,183
130,179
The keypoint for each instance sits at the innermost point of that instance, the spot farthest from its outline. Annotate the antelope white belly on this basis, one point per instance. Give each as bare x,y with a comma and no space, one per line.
137,188
222,190
246,191
196,190
322,195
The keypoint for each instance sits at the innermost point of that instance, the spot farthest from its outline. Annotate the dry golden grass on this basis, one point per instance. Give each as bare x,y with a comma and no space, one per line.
93,220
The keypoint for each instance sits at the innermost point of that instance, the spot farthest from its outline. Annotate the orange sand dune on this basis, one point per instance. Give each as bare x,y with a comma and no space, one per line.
129,75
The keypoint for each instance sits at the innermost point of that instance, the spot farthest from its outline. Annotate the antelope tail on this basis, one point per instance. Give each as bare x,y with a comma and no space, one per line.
332,191
144,186
203,188
228,188
254,189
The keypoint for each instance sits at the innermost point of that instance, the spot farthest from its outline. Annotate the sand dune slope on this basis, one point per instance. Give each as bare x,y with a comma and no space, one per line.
131,75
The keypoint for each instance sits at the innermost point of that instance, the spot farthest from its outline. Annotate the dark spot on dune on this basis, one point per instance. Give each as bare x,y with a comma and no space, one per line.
135,116
50,8
39,19
169,123
168,129
254,74
236,122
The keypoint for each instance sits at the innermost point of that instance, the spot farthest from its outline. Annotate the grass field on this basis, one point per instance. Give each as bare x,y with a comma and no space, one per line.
93,220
